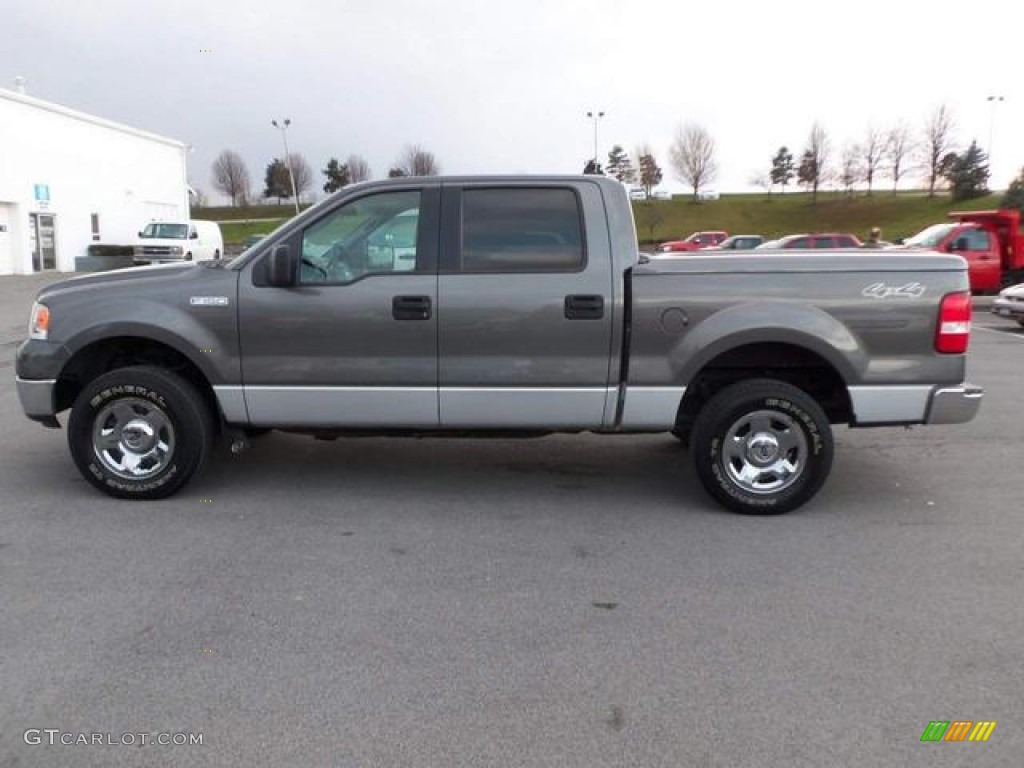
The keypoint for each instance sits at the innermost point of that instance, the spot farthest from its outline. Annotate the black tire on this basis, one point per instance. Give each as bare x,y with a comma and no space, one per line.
170,423
762,447
188,256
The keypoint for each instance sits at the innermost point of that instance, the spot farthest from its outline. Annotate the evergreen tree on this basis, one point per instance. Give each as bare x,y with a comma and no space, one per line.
337,175
620,166
783,169
967,173
593,168
276,182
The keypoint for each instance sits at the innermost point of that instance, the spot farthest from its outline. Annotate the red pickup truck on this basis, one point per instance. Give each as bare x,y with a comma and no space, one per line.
694,242
991,242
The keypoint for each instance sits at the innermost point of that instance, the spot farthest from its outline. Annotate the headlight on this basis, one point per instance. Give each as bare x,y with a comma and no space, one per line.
39,325
177,250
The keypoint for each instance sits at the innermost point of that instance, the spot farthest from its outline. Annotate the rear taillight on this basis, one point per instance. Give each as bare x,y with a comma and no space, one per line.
954,329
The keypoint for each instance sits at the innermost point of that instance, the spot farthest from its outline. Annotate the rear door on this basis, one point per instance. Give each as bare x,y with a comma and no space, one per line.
354,343
525,306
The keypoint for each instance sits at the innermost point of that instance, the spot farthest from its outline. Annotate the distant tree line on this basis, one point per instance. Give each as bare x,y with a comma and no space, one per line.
230,176
890,153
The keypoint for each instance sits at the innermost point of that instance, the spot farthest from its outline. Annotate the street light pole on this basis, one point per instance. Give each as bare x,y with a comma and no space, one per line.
993,100
595,116
287,158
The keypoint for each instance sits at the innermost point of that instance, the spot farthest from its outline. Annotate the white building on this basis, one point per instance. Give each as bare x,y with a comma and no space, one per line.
68,179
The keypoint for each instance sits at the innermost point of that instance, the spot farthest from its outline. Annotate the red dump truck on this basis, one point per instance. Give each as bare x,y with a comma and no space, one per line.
991,241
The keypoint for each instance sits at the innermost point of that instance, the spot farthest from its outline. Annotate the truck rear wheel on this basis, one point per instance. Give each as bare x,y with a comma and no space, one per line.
762,447
140,432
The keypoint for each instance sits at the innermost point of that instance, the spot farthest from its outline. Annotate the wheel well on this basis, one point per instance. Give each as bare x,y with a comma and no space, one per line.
795,365
102,356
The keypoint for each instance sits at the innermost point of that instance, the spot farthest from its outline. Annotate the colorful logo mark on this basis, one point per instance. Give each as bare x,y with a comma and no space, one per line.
958,730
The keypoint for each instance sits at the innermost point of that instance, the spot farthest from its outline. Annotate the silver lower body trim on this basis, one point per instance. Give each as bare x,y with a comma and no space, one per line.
232,404
889,404
524,407
410,407
651,408
36,396
954,405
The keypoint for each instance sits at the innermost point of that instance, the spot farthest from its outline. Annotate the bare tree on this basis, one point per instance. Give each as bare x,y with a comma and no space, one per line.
898,146
358,169
416,161
872,153
693,156
231,177
938,142
812,171
301,172
851,171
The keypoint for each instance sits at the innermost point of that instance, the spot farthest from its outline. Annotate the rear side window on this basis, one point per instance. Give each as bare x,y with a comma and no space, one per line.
824,242
521,230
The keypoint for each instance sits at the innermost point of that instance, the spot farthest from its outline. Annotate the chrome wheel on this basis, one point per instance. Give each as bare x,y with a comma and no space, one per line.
764,452
133,438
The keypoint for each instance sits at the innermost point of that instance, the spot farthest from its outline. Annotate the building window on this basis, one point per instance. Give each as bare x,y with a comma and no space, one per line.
95,226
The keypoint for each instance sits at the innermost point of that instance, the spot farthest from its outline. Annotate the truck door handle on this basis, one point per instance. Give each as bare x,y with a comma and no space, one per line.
584,307
410,307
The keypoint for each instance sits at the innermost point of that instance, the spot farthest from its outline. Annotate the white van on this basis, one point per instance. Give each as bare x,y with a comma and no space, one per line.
164,241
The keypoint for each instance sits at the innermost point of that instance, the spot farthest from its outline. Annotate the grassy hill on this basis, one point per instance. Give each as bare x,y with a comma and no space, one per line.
899,215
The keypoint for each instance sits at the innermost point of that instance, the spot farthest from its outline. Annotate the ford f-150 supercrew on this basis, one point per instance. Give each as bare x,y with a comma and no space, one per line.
492,306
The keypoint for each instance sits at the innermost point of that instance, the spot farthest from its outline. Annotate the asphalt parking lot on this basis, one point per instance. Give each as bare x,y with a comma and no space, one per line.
565,601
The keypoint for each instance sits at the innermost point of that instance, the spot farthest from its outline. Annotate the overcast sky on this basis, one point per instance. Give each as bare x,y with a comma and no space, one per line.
492,86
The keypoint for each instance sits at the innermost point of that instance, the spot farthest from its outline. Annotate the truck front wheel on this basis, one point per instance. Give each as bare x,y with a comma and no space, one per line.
140,432
762,447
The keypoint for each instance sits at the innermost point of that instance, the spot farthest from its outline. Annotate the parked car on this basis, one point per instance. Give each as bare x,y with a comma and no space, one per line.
815,241
174,241
695,242
738,243
1010,303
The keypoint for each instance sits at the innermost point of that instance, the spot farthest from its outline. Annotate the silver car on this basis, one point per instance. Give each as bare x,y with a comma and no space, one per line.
1010,303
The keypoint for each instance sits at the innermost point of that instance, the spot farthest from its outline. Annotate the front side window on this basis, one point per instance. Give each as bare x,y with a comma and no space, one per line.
521,230
373,235
976,240
824,242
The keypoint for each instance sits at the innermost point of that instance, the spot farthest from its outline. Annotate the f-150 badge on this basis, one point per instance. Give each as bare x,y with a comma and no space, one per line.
208,301
883,291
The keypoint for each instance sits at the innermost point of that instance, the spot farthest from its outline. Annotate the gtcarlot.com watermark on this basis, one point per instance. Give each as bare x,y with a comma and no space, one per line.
56,737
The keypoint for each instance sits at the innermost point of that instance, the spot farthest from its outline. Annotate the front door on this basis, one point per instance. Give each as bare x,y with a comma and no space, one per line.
526,307
977,246
43,236
354,343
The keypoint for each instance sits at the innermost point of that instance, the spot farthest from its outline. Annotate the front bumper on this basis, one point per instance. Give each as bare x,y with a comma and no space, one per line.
36,398
954,405
1007,308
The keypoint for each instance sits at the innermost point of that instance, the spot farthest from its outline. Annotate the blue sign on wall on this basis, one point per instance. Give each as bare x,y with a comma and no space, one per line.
42,192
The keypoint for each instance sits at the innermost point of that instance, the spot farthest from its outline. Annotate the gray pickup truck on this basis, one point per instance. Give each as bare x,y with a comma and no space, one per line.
496,306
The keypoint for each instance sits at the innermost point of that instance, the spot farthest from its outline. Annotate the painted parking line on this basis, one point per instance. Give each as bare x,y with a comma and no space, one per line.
1006,333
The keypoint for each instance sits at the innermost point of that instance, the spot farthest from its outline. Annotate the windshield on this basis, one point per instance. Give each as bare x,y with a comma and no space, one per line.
166,231
931,237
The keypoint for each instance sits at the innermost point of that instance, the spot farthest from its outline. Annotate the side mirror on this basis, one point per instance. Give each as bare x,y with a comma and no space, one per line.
193,236
960,244
281,267
141,235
